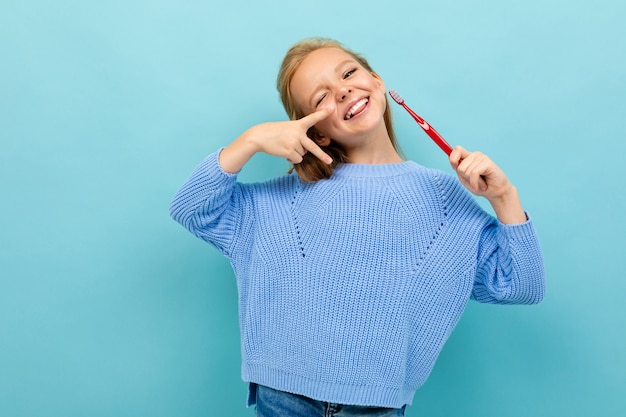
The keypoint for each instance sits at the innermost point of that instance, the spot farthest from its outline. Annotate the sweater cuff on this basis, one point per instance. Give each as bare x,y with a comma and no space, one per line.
216,156
210,168
519,230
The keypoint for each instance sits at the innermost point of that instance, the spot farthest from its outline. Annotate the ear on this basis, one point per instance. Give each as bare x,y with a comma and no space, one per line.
322,140
317,137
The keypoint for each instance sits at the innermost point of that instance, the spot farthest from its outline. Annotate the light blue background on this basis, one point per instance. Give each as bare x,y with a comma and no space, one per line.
109,308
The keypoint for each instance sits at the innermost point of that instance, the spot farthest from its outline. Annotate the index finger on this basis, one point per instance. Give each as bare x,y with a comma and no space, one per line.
314,148
318,116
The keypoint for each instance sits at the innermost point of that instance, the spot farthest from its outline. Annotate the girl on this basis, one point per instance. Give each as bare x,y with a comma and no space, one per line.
354,270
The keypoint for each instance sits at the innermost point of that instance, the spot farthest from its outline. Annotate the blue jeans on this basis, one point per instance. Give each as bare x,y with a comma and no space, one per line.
273,403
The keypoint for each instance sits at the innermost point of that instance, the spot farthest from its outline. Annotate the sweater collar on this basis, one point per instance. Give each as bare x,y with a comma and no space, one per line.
374,170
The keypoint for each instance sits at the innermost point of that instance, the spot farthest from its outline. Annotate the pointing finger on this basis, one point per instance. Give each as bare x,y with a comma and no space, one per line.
313,147
317,116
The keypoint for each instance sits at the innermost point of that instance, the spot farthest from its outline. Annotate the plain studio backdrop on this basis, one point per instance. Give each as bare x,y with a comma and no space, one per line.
110,308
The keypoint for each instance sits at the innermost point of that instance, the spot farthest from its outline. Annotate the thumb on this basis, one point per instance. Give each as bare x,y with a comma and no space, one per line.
457,155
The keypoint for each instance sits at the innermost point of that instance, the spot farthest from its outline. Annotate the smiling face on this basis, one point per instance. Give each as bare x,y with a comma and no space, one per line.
331,77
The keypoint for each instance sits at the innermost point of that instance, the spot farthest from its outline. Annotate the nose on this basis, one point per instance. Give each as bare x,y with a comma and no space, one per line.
343,93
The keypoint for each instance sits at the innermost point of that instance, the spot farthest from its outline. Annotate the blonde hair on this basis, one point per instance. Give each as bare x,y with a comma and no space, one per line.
311,168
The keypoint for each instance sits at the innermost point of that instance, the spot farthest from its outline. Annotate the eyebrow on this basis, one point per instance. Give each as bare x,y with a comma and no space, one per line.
337,69
342,63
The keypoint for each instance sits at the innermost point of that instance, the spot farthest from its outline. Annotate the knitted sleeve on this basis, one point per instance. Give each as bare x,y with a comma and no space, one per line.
509,265
211,204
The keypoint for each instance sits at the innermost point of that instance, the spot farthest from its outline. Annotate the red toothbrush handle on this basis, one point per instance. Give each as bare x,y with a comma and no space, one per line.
430,131
440,141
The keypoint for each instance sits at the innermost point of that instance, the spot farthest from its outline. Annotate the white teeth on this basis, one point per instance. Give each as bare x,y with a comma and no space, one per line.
357,106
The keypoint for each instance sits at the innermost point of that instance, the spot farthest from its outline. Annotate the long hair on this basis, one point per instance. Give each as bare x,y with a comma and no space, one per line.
311,169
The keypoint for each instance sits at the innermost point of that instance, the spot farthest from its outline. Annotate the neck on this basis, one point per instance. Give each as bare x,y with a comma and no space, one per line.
374,158
378,150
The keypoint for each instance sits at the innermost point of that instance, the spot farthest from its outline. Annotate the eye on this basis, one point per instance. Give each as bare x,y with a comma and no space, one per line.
349,73
320,100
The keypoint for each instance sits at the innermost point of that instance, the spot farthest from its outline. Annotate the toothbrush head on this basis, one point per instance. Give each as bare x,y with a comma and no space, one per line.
396,97
430,131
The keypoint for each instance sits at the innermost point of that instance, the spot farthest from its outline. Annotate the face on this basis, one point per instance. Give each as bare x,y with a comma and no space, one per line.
332,77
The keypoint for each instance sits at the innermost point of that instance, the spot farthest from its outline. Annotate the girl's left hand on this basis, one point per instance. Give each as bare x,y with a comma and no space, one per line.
479,174
482,177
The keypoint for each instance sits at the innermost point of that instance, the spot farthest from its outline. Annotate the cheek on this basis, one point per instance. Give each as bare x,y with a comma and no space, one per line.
325,127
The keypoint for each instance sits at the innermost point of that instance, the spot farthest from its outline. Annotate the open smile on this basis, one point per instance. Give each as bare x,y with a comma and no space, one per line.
356,108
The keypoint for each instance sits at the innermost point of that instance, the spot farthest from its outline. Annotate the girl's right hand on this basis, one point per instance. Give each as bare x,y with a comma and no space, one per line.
286,139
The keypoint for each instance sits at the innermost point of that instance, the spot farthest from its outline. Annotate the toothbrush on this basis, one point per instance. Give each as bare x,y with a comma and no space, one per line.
435,136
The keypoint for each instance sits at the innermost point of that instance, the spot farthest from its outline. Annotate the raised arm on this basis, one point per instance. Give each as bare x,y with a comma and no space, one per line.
483,177
510,261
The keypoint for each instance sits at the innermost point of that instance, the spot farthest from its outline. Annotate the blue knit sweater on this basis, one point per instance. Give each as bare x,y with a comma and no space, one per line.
349,287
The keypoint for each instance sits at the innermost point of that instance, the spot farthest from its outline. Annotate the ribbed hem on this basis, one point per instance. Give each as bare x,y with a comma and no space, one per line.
332,392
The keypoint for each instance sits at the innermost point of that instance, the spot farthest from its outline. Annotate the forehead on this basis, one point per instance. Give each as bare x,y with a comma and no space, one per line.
320,61
316,67
324,58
